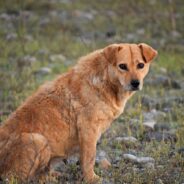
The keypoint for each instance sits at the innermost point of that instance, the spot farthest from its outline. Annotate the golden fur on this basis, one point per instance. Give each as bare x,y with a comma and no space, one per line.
71,112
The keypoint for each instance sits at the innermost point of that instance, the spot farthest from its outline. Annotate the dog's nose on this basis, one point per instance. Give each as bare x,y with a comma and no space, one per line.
135,84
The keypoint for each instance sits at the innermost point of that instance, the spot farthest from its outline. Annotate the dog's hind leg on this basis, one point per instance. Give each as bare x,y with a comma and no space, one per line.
28,157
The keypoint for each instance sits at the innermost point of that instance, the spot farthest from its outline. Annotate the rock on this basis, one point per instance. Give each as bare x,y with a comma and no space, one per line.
83,15
5,16
163,80
28,38
149,102
145,160
173,100
163,70
11,36
175,34
110,32
43,52
101,155
44,21
159,181
162,127
154,115
129,139
131,37
57,164
181,151
140,31
74,159
140,160
150,165
149,124
160,136
57,57
43,71
104,164
130,157
106,181
28,59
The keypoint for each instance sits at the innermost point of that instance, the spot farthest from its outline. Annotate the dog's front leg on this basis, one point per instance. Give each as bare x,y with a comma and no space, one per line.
88,139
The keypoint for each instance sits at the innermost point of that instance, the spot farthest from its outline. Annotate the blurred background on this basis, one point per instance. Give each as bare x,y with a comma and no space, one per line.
42,39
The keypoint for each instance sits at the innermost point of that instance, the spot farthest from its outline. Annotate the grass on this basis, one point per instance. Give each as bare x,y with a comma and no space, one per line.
73,37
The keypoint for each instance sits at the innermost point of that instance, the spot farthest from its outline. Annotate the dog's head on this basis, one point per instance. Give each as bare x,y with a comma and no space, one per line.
129,64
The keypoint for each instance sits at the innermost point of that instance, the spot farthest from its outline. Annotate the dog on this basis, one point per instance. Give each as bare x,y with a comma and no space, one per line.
70,113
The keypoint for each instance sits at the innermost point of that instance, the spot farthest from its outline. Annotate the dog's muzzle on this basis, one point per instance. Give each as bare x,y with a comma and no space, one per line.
135,84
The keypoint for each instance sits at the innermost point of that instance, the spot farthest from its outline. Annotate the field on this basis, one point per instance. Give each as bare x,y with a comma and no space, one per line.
42,39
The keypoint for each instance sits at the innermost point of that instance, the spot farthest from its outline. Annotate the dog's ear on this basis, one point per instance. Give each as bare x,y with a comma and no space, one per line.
111,51
147,52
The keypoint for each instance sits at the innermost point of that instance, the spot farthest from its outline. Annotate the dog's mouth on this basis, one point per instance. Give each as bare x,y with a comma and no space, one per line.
134,89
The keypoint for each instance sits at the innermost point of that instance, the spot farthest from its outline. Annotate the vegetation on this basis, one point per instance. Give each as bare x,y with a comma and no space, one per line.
42,39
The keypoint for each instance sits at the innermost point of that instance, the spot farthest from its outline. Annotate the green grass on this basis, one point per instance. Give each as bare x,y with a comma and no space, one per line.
18,79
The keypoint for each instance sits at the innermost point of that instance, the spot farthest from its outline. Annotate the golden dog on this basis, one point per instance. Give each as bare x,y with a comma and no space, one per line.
73,111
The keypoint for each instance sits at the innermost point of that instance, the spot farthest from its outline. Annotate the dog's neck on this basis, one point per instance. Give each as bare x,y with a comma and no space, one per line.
111,90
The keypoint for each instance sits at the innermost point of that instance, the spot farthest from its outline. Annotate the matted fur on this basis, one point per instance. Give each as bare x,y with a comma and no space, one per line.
71,112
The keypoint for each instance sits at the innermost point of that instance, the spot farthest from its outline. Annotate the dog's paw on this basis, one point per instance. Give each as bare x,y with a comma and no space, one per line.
95,179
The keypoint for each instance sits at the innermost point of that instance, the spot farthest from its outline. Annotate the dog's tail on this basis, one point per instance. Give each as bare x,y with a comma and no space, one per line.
7,141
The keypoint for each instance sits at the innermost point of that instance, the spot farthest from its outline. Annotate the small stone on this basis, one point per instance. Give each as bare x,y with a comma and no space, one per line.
140,160
181,151
150,165
160,136
11,36
57,57
104,164
159,181
145,160
28,59
57,165
5,16
162,126
149,101
126,139
149,124
73,159
154,115
163,70
101,155
44,21
163,80
43,71
130,157
140,31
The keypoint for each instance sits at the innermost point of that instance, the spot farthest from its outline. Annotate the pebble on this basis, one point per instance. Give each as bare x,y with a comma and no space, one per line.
73,159
149,101
160,136
149,124
43,71
140,160
150,165
129,139
104,164
28,59
11,36
181,151
154,115
163,80
57,57
162,127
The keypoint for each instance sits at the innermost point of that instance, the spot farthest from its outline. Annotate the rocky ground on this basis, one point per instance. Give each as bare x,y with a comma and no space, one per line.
41,39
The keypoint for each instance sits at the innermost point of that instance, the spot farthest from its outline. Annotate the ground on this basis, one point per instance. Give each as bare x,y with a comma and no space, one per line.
42,39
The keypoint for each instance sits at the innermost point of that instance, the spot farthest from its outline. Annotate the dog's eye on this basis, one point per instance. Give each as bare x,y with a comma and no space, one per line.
140,65
123,67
